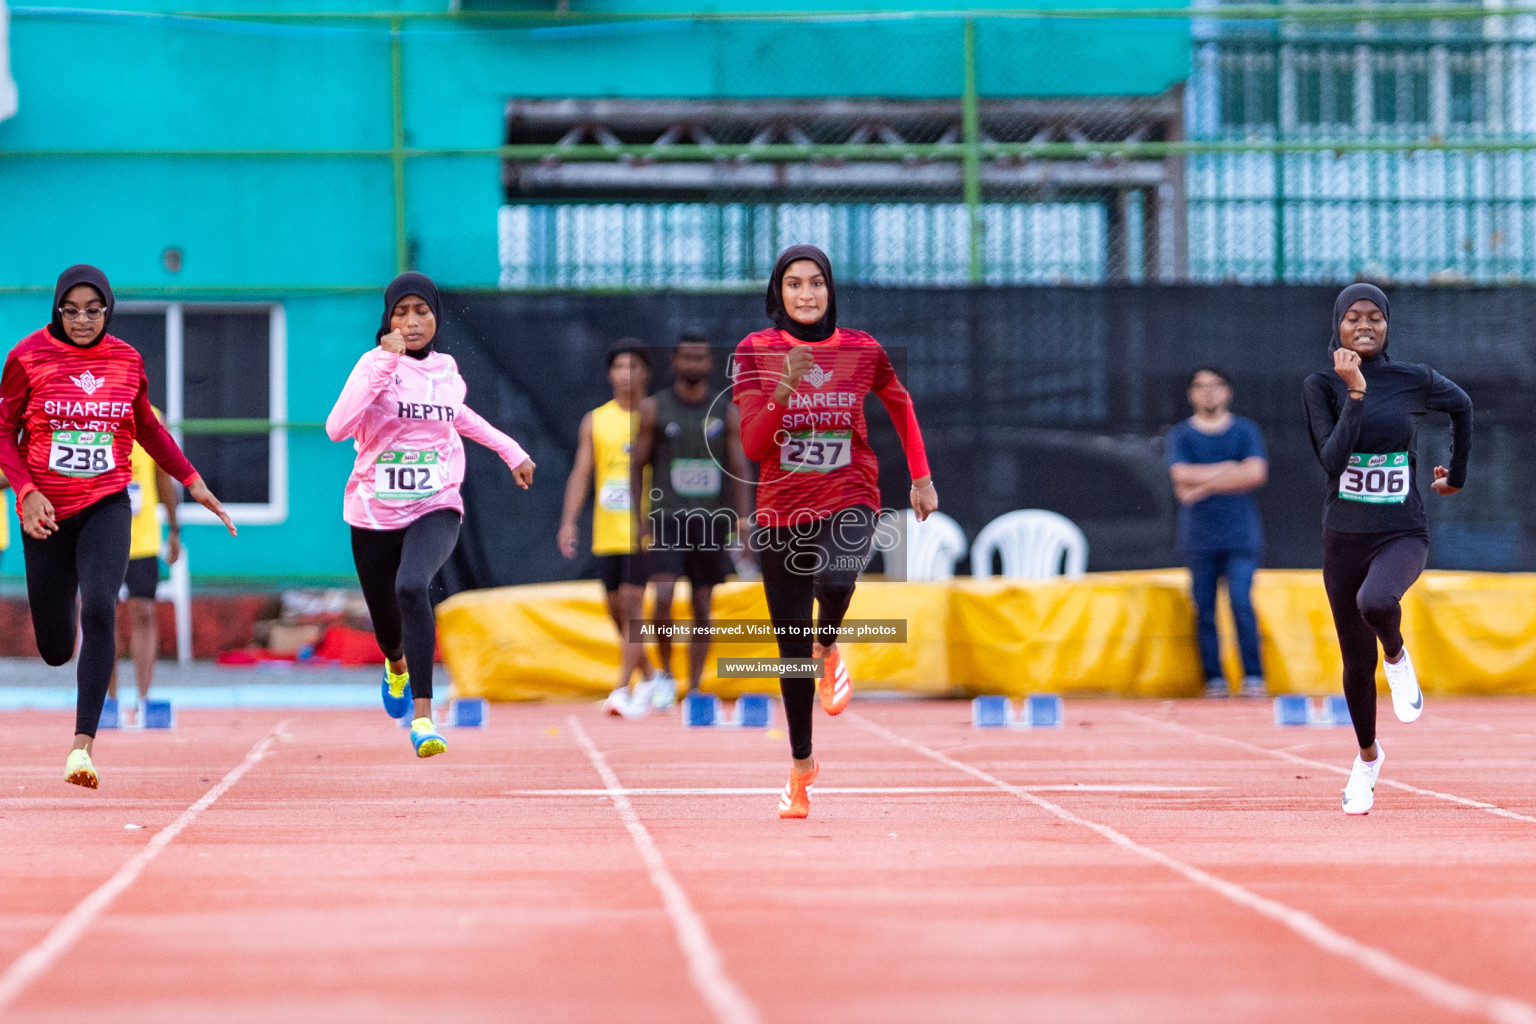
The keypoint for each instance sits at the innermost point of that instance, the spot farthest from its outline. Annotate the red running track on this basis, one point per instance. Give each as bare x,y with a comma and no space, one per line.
1150,862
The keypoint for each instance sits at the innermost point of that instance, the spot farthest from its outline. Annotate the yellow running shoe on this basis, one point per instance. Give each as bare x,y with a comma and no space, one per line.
426,739
835,687
795,801
78,769
396,691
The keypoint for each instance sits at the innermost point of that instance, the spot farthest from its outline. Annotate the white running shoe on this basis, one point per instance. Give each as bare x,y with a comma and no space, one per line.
1407,697
617,701
1360,790
638,703
665,694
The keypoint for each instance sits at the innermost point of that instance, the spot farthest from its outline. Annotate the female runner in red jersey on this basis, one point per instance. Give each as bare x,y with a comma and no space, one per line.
73,399
801,386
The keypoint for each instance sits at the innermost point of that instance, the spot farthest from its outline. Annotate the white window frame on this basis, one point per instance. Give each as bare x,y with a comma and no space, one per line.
275,509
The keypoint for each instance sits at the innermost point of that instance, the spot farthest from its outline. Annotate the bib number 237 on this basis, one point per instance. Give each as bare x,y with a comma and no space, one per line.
81,453
816,452
1375,479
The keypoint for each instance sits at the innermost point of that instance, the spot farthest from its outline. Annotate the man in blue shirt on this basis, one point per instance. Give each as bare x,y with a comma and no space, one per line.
1216,461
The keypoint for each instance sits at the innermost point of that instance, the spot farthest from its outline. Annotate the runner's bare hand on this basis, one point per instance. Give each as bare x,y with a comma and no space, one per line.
925,499
566,539
1347,365
394,342
523,473
797,363
37,516
199,492
1442,484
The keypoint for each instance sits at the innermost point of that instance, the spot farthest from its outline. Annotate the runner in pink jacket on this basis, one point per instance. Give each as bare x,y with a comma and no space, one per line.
403,407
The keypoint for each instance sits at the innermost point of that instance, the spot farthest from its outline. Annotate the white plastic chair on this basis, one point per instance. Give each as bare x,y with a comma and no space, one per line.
1034,545
929,549
178,591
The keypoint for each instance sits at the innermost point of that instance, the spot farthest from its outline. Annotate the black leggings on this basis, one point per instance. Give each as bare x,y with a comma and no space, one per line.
1366,576
395,567
88,554
817,561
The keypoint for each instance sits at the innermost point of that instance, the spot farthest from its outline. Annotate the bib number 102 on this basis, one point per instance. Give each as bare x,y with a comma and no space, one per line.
407,476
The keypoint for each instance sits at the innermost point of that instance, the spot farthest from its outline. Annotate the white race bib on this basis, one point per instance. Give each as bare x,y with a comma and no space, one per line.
695,478
614,495
816,451
407,476
1375,479
81,453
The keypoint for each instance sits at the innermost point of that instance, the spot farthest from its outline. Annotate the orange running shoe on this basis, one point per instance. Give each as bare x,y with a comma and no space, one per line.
795,801
835,686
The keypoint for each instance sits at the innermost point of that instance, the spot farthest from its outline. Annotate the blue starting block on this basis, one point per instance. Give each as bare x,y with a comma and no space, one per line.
110,717
704,711
1293,709
467,713
157,714
1039,711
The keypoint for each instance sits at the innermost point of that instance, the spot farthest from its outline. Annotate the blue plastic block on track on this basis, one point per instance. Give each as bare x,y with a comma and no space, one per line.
1336,711
1293,709
754,710
991,711
468,713
110,719
1043,711
157,714
701,710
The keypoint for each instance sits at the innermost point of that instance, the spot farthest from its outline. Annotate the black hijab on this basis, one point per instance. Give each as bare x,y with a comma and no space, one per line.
420,285
822,329
80,273
1351,295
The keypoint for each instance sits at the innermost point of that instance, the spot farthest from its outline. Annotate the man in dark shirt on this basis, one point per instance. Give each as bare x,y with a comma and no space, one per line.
1216,461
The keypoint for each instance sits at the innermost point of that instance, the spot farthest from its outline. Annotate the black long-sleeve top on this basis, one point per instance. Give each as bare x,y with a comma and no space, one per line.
1385,420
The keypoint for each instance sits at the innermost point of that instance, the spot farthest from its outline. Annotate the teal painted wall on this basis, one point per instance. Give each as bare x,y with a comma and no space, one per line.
286,228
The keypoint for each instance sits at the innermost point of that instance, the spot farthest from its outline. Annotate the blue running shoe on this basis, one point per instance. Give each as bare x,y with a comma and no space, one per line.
396,690
426,739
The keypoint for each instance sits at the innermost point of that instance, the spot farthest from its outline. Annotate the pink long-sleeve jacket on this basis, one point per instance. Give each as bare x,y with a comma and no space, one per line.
405,418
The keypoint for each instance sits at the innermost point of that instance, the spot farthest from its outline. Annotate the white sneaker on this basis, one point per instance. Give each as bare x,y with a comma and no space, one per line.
665,694
638,704
1407,698
1360,790
617,701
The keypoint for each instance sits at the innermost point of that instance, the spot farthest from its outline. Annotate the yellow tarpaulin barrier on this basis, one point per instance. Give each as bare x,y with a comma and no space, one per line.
1127,634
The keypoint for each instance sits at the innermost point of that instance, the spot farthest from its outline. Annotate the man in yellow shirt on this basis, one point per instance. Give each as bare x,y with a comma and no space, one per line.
602,461
150,489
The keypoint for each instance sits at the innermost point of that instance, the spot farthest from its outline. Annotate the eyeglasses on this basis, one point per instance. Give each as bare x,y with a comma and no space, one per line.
90,313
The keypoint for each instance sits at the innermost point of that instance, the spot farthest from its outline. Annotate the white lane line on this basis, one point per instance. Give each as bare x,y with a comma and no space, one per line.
1286,755
860,790
706,968
35,962
1441,991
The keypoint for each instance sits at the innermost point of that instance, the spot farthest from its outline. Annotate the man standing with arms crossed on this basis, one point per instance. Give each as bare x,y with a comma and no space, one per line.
1216,461
688,435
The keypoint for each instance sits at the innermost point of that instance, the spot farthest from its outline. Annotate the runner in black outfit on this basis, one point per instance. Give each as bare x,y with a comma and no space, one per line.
1364,422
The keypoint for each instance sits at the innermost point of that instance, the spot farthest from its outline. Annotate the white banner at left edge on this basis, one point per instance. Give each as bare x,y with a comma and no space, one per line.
7,84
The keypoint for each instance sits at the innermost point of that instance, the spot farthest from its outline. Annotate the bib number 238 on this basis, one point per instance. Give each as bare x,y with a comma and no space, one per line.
407,476
1375,479
816,451
81,453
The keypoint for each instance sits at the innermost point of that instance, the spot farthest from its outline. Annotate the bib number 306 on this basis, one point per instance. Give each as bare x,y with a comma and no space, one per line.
816,452
81,453
407,476
1375,479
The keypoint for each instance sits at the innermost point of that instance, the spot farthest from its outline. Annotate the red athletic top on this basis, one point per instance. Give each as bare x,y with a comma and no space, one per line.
69,417
814,450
